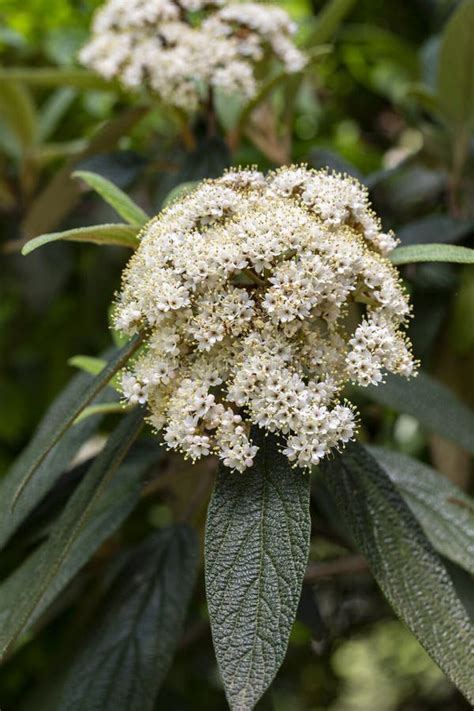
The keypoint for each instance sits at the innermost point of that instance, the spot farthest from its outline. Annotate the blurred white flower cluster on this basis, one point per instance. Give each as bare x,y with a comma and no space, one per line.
261,298
181,48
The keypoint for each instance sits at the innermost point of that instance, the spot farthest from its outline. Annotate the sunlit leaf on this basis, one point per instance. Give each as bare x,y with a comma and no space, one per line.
116,235
105,408
116,198
432,253
62,192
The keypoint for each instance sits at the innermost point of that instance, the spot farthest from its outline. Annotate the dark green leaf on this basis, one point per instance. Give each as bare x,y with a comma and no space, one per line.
62,416
434,228
444,511
431,403
116,198
52,466
126,656
118,235
432,253
464,586
75,536
257,542
405,565
455,75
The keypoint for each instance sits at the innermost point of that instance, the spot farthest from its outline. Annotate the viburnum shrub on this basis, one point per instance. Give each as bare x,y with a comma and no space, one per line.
252,306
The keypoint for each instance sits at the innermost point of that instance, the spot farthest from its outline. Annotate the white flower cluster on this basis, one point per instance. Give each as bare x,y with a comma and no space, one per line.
261,298
180,48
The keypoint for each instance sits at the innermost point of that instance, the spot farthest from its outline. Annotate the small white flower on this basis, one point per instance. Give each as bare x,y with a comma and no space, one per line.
157,44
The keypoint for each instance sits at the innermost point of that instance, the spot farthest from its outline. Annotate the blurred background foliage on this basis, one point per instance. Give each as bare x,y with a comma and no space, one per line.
371,105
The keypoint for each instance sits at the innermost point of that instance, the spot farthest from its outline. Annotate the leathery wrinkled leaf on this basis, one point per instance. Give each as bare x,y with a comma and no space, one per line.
257,543
403,561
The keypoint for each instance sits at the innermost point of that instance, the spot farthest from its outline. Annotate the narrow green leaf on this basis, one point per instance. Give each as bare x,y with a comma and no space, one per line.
61,193
119,235
56,77
53,111
455,86
432,253
104,408
435,228
27,591
405,565
88,364
17,109
444,511
127,654
113,196
62,416
53,465
257,542
435,407
329,19
93,366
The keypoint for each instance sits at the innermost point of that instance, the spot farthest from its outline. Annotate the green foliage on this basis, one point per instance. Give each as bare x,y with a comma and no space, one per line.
116,198
455,84
257,543
132,642
52,465
434,405
432,253
402,561
28,589
329,19
18,111
63,414
444,511
117,235
98,607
